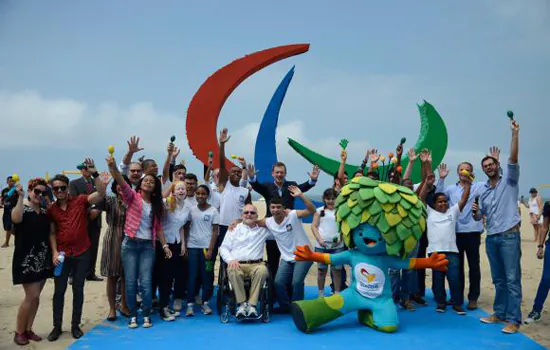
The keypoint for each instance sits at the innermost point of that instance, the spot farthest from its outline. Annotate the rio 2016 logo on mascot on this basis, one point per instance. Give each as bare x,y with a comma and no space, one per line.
381,224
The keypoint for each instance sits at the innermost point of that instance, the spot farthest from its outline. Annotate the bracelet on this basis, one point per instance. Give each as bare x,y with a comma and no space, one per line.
540,246
95,175
165,246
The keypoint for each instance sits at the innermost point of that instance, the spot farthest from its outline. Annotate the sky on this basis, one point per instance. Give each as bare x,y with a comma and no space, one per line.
77,76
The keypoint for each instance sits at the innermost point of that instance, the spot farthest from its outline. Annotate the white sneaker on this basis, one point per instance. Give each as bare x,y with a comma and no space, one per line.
189,311
252,311
174,313
177,304
165,315
241,311
133,323
206,308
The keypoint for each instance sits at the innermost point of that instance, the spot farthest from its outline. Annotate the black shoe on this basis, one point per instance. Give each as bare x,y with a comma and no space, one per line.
77,332
54,334
441,307
94,278
417,299
459,309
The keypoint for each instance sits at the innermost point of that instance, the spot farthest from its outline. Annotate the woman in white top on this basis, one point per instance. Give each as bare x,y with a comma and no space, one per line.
535,210
200,246
177,215
328,240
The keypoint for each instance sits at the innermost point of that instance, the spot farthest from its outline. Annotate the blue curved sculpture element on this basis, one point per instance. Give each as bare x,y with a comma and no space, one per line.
265,152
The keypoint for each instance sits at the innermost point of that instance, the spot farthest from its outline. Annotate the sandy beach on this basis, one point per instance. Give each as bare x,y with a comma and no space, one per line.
96,306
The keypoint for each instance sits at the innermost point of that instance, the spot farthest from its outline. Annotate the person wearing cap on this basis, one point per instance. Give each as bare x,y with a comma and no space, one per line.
85,185
498,203
534,205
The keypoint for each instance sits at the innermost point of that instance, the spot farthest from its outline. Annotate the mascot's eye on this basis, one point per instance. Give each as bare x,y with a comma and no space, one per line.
360,233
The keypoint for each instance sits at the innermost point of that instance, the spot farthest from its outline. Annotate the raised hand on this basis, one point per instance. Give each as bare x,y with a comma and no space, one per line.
314,175
399,150
90,165
373,155
494,152
412,155
175,153
110,162
443,171
170,148
20,191
343,156
242,161
224,137
133,145
251,170
424,155
430,179
295,191
105,178
514,126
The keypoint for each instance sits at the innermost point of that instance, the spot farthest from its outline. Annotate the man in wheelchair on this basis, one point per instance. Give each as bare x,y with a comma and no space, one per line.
243,251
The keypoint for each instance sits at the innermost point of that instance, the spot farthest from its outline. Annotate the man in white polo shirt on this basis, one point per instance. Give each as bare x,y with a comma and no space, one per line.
243,250
288,230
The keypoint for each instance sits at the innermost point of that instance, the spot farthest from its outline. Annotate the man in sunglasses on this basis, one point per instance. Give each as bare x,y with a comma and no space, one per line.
69,234
85,185
243,250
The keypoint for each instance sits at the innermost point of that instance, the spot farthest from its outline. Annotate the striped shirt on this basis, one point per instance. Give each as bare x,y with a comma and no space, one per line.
134,206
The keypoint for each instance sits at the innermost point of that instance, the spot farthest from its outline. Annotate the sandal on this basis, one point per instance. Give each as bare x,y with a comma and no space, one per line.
122,313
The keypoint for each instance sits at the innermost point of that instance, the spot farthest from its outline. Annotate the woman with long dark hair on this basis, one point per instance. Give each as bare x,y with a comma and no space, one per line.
144,215
32,256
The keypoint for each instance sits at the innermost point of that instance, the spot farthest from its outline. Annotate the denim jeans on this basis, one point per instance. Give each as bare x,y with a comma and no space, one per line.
138,257
196,261
544,285
404,282
438,282
293,273
78,267
504,253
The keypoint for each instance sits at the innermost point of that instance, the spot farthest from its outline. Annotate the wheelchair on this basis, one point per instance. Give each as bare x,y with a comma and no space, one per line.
227,305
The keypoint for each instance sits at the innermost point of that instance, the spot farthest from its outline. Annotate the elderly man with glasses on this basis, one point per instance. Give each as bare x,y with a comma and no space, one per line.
243,250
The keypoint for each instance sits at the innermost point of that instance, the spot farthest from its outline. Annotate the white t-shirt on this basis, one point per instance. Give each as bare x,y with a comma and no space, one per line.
214,198
190,202
288,234
328,230
145,229
442,230
173,222
200,232
232,203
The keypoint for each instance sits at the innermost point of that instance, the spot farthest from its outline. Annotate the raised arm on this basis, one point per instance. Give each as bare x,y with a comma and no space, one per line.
412,157
514,147
101,189
170,150
223,174
313,176
310,207
466,193
17,211
342,169
423,189
256,185
133,147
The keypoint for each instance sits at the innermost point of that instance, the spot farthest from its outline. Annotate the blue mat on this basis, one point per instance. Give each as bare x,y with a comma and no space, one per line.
422,329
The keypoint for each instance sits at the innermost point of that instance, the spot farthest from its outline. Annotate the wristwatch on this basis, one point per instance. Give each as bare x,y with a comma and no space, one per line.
95,175
540,246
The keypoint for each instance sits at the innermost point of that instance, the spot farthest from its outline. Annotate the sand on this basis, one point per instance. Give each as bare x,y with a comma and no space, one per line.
96,306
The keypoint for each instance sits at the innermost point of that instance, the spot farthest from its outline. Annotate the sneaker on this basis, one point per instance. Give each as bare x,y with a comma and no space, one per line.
189,312
206,308
252,311
133,323
441,308
459,310
491,319
147,322
472,305
174,313
241,311
417,299
407,305
510,328
177,304
21,339
165,315
532,317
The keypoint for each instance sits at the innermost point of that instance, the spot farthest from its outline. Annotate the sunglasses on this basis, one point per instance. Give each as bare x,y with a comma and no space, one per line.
249,213
59,188
38,192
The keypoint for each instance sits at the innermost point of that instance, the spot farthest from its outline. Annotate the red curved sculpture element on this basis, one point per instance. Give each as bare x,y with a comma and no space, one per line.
205,107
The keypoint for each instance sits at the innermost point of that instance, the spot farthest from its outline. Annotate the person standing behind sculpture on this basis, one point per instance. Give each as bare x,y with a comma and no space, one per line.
534,205
85,185
498,203
278,188
32,255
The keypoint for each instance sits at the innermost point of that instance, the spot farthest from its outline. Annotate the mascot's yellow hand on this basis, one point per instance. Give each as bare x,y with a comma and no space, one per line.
304,253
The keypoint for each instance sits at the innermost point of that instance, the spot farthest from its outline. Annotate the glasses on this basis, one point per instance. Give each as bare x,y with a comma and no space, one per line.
249,213
59,188
38,192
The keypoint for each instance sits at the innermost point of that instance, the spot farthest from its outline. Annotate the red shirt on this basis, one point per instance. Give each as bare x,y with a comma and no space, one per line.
71,225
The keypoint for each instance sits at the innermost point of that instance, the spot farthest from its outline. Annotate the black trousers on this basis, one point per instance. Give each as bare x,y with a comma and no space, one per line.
421,274
169,269
94,233
468,244
180,278
78,267
273,257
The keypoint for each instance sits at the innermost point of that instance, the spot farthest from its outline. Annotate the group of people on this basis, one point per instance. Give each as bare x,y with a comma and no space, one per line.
165,231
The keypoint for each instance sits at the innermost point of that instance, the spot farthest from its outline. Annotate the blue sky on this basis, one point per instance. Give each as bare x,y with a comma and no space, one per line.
77,76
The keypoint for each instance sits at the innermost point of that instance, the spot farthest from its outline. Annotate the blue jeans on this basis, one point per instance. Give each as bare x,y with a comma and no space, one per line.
138,258
438,282
544,285
196,261
404,282
504,253
293,273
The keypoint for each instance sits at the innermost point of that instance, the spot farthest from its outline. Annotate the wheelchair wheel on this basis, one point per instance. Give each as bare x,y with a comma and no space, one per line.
266,304
222,291
225,315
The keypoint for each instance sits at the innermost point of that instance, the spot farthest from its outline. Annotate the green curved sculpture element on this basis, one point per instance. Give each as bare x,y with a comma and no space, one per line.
433,136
